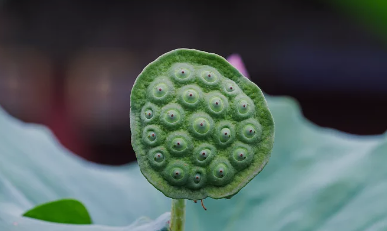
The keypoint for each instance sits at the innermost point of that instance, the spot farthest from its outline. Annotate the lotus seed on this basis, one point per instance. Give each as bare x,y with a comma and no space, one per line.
181,72
148,114
249,131
208,77
243,107
172,116
159,157
201,125
220,171
240,154
179,144
177,173
204,154
225,134
230,87
191,96
197,178
151,136
160,90
216,104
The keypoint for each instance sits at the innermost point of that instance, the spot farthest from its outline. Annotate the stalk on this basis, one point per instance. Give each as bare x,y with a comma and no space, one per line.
178,215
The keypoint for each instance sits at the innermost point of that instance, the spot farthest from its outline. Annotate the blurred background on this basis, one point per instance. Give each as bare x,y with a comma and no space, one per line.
70,65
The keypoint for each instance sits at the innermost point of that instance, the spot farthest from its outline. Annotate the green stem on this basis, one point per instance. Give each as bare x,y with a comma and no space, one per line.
178,215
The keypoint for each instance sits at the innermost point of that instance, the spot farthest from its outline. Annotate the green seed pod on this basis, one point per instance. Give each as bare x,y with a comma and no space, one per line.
199,128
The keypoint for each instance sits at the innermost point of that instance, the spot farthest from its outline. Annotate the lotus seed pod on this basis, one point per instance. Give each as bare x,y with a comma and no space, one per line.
199,128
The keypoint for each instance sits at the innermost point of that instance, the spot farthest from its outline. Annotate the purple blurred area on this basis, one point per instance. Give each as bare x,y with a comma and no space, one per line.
70,64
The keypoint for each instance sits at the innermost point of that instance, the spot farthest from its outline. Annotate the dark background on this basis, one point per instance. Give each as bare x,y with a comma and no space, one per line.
70,64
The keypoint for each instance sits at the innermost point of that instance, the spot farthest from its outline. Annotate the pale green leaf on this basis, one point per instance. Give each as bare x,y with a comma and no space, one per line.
316,179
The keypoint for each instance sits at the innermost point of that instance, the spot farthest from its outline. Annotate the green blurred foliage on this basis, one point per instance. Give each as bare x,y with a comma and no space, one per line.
372,13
